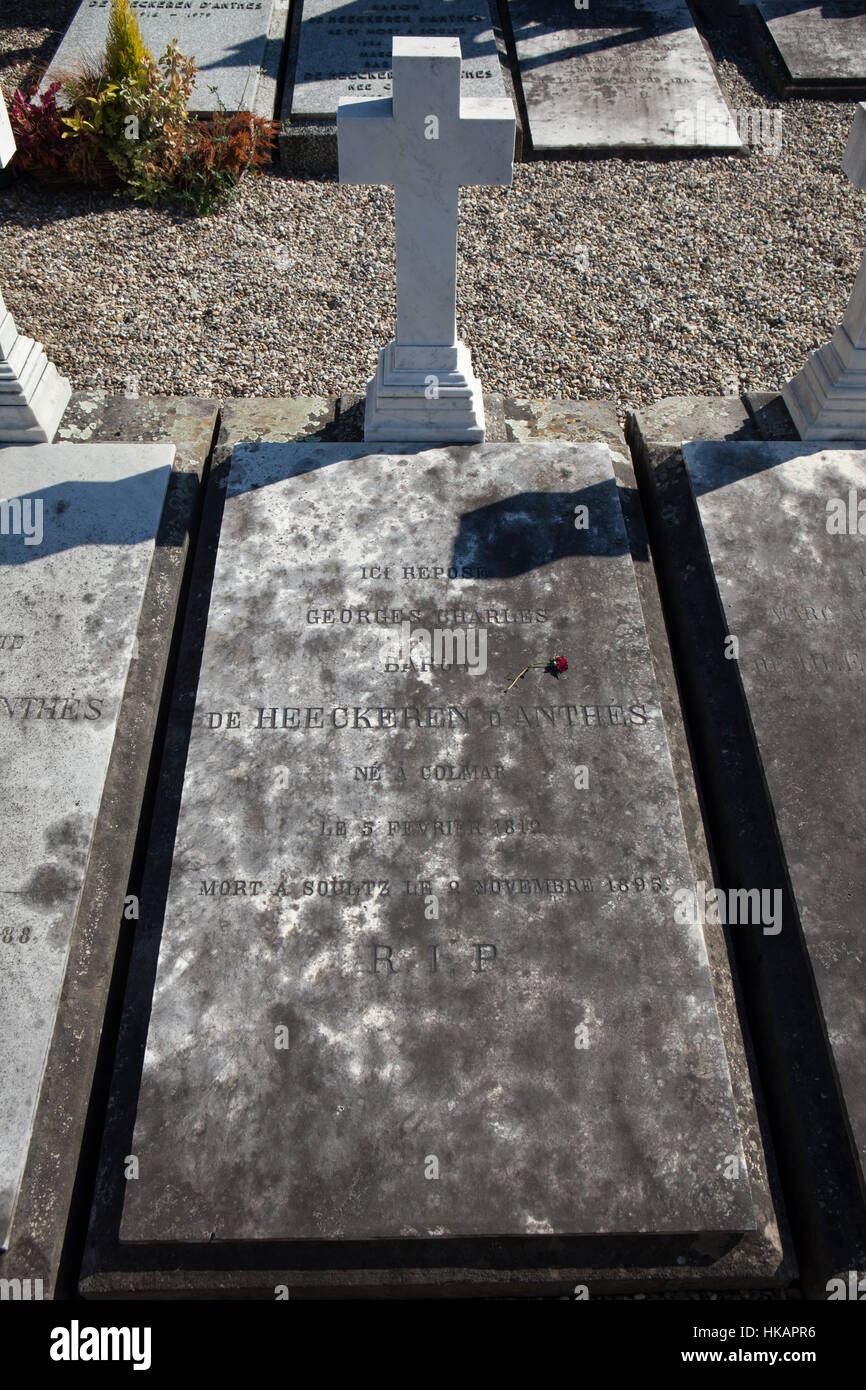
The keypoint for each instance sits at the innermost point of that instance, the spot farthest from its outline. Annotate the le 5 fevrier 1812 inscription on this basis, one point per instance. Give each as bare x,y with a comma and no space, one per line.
420,972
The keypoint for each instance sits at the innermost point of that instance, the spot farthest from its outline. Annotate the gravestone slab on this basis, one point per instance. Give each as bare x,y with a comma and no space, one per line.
415,978
77,537
821,47
612,77
345,50
800,625
227,38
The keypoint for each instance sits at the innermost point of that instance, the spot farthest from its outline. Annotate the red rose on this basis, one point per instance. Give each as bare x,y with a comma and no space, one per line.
560,663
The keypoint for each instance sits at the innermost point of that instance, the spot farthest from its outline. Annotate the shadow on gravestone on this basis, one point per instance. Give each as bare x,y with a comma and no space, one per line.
552,16
113,515
532,529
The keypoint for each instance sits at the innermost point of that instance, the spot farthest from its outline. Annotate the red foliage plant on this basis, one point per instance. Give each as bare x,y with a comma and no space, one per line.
38,130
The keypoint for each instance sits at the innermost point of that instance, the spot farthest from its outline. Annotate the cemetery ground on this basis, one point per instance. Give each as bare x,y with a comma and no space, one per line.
629,280
672,1108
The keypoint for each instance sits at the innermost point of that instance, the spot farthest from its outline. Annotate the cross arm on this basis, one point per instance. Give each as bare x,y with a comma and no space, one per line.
366,141
486,145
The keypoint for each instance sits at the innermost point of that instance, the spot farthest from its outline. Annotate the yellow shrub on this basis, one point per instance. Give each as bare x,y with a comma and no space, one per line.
125,52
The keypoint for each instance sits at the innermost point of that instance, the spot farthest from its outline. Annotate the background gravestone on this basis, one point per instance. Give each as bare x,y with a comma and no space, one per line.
227,40
819,48
613,77
344,51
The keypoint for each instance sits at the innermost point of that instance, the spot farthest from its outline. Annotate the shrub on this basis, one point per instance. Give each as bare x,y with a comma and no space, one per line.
227,146
126,56
128,120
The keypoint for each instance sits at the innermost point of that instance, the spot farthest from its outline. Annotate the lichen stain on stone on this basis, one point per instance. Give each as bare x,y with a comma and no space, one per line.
49,885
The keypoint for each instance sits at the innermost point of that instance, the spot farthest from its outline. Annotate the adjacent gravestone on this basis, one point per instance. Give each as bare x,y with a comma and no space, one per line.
827,399
77,528
819,47
227,38
426,141
421,973
609,78
797,612
344,52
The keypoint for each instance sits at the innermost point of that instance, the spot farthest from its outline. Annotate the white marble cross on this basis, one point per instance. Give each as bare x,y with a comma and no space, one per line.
426,142
32,395
827,398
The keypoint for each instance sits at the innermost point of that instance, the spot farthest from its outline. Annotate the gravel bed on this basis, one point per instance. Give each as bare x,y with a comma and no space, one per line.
627,279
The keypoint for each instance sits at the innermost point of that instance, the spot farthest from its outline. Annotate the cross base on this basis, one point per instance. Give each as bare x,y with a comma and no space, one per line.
33,396
425,394
827,398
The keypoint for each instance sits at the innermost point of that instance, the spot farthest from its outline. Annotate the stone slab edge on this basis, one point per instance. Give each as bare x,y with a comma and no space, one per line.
47,1208
267,89
310,147
824,1204
112,1271
776,69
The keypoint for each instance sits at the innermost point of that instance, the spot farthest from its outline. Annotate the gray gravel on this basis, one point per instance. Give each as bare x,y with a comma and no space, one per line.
631,279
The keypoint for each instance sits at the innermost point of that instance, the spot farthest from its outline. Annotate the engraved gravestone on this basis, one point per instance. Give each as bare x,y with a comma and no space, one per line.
227,38
802,657
613,76
344,51
427,140
420,973
821,46
77,528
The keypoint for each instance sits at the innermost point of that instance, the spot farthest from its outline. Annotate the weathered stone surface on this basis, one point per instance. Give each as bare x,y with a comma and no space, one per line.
70,601
609,78
227,38
315,769
345,51
821,47
797,611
